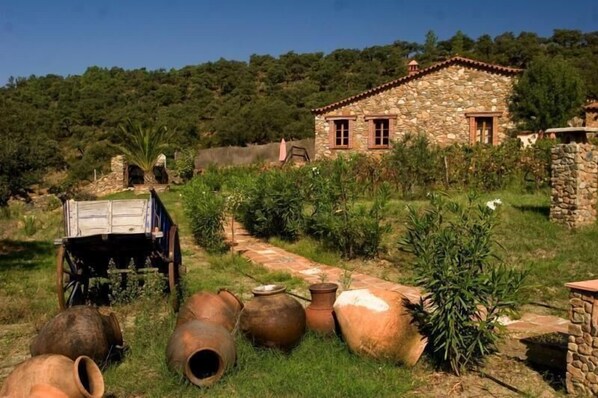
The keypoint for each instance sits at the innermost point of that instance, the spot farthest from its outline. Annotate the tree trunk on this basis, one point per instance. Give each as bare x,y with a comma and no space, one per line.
149,178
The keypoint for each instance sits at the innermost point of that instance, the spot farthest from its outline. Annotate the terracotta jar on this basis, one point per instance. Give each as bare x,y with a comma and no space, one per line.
376,323
80,378
201,351
272,318
319,313
80,330
46,391
222,309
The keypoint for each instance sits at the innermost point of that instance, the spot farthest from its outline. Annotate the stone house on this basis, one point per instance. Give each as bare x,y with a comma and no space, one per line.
459,100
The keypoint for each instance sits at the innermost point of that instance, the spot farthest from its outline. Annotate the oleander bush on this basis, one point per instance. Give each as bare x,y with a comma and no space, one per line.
205,210
467,287
273,205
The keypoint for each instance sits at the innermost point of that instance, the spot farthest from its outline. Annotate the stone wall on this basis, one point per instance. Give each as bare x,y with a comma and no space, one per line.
115,181
574,181
582,349
234,155
591,119
434,104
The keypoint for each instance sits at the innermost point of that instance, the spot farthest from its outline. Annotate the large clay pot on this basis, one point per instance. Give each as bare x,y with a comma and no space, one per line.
202,351
377,324
46,391
319,313
222,309
80,330
80,378
272,318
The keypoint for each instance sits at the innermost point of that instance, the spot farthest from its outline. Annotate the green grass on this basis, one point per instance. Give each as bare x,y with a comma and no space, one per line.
551,254
311,249
316,367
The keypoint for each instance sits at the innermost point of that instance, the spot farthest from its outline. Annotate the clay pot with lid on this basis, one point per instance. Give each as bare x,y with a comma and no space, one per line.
201,351
80,330
80,378
272,318
319,313
222,309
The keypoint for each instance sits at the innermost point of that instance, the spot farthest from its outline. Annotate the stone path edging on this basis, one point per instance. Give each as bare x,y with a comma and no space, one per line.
277,259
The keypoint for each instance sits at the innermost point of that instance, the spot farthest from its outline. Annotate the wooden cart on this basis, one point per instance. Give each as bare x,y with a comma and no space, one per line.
108,237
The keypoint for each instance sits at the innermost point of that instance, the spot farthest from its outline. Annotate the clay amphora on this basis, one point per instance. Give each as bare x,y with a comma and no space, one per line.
46,391
222,309
376,323
80,330
201,351
272,318
319,313
80,378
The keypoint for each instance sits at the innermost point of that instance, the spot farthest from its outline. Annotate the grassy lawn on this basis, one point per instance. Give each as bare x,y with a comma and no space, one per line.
550,253
316,367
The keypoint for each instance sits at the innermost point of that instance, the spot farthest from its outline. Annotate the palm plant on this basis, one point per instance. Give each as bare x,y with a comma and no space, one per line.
142,146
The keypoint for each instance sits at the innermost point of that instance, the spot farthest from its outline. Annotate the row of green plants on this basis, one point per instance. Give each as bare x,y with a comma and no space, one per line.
322,201
342,202
416,167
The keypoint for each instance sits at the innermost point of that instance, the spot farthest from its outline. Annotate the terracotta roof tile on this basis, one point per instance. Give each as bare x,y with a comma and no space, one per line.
440,65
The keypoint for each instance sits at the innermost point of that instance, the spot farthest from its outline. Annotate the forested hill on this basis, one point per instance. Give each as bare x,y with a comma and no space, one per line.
235,103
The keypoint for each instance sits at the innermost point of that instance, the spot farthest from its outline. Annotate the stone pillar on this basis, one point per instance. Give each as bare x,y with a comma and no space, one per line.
582,350
574,180
119,168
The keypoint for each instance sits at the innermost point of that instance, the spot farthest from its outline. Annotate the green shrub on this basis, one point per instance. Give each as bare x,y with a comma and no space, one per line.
184,164
205,211
336,216
467,287
536,163
213,178
273,206
415,163
30,225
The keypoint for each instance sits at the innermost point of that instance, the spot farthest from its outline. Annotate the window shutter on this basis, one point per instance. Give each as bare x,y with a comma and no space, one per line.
331,134
371,133
494,130
472,132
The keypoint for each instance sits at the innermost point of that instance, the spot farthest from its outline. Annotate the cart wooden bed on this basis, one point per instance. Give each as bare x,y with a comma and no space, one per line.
114,236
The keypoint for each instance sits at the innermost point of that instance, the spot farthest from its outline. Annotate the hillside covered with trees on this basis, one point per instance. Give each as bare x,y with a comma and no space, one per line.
232,102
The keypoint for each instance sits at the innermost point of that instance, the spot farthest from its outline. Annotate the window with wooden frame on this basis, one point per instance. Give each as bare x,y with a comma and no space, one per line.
340,128
483,127
381,127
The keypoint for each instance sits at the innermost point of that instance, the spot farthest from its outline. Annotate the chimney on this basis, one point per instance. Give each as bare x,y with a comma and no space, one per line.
413,67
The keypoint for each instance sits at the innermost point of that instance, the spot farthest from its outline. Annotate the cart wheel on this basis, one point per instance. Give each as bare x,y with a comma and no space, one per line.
72,284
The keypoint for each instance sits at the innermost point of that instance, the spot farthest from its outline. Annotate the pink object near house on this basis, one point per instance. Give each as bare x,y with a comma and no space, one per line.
282,153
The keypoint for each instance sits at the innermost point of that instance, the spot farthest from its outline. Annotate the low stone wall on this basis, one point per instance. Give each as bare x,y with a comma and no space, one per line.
234,155
582,349
574,181
115,181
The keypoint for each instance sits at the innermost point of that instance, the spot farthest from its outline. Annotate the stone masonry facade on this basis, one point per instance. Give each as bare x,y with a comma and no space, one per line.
582,349
574,181
439,104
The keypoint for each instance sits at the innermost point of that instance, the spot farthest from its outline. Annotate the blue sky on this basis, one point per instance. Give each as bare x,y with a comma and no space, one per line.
66,36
